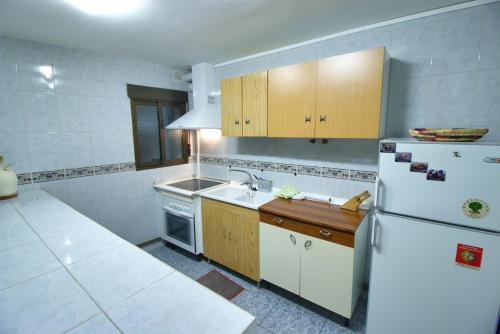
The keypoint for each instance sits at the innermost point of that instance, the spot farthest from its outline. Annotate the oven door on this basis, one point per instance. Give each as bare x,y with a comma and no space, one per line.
179,229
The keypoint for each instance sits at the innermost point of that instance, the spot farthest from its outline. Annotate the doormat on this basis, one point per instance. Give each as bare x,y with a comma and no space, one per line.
221,284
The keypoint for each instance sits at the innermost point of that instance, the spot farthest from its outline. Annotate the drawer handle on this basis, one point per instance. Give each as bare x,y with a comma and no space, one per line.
322,118
247,120
307,244
278,220
293,239
307,118
326,234
236,121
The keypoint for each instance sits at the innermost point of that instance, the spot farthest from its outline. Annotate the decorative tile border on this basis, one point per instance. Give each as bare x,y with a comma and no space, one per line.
330,172
71,173
362,175
336,173
106,169
127,166
47,176
309,170
79,172
23,178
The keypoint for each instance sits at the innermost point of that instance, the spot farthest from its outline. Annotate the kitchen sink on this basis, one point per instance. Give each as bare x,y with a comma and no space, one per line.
239,195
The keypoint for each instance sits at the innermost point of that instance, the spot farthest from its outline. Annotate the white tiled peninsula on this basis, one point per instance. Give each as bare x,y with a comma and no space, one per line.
60,272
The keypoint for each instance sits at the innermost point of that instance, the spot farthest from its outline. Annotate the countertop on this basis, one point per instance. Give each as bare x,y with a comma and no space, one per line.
317,213
60,272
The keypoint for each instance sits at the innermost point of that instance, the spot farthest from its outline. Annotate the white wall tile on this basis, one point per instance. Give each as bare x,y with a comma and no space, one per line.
112,147
109,114
8,68
69,74
14,149
40,112
44,150
11,111
34,67
76,149
73,112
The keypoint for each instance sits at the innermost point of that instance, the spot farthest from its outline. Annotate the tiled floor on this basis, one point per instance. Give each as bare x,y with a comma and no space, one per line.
276,311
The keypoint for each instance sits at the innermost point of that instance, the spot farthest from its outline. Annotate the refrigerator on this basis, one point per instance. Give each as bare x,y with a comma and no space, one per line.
435,239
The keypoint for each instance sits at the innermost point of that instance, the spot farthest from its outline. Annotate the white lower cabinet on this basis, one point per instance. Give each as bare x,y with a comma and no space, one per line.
279,248
326,274
317,270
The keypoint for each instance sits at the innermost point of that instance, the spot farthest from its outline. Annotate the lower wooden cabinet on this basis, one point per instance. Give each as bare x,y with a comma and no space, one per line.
324,272
231,236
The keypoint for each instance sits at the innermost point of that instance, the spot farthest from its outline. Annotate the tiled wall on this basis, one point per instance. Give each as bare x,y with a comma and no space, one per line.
445,72
65,126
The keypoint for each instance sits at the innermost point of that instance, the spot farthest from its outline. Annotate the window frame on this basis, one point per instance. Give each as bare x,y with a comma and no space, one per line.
161,124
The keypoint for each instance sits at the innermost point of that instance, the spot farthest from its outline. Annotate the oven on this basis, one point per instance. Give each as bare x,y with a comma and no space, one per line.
179,223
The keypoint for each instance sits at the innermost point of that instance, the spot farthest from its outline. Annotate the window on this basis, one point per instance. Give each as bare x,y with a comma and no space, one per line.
152,110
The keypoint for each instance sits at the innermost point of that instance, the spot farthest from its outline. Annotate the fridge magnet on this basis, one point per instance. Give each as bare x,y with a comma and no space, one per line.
436,175
475,208
388,147
419,167
403,157
492,159
469,256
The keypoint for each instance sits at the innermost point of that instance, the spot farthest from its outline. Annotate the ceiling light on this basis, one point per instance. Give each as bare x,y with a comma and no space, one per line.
107,7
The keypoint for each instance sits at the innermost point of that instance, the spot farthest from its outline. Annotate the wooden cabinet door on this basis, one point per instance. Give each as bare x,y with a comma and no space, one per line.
280,256
255,104
243,233
214,220
231,236
292,100
349,95
326,274
231,106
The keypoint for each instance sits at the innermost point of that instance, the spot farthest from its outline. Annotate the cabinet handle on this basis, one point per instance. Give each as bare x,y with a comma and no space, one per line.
326,234
229,235
293,239
224,233
307,244
237,122
278,220
307,118
247,120
322,118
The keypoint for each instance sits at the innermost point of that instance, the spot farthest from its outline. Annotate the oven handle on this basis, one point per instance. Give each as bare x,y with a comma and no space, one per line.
177,213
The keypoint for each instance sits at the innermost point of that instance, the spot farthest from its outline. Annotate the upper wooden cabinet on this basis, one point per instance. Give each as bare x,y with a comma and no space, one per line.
231,106
292,100
255,104
349,95
343,96
244,105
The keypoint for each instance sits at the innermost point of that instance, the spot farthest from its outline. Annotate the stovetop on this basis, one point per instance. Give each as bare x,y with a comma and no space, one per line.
195,184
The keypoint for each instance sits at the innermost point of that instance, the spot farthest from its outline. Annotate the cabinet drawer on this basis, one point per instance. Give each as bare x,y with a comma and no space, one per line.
320,232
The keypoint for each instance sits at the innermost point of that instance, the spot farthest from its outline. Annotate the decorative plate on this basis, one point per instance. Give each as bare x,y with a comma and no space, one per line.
447,134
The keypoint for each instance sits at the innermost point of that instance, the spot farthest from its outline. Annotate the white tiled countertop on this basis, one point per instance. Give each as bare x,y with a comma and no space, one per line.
60,272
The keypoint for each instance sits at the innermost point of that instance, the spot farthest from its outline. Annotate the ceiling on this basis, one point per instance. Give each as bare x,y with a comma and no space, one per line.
181,33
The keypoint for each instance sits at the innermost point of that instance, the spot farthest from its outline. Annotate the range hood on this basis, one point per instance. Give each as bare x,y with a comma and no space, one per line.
204,115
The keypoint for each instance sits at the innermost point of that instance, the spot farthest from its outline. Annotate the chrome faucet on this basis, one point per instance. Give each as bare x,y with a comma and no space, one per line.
248,182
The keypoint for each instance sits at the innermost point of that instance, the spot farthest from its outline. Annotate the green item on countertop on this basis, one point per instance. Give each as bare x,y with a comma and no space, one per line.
287,192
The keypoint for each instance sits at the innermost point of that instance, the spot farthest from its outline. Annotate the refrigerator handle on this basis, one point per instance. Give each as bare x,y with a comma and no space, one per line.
378,185
373,240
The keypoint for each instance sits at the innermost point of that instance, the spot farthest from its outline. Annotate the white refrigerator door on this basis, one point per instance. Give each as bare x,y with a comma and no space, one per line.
468,177
416,287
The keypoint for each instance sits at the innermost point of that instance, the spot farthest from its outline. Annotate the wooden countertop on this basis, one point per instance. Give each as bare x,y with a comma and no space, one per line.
317,213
